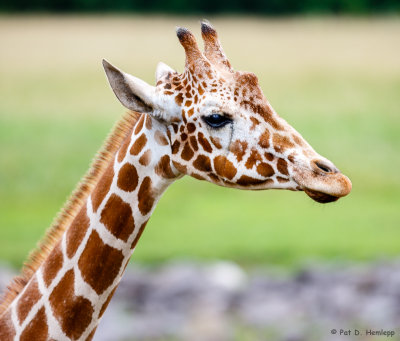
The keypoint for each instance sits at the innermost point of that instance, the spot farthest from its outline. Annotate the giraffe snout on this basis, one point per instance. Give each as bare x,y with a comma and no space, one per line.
323,181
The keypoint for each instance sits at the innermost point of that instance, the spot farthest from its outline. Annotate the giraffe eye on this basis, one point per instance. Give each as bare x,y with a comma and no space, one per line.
216,120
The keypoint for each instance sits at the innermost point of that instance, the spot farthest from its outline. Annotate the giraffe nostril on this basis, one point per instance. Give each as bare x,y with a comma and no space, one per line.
324,167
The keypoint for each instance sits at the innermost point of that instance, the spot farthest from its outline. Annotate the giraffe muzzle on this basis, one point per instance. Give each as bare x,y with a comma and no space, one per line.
323,182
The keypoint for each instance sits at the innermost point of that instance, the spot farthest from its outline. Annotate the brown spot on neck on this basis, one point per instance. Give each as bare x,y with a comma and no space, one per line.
149,122
160,138
103,186
145,158
127,178
77,231
36,329
139,124
117,217
27,300
138,144
163,168
53,264
145,196
74,313
7,330
96,257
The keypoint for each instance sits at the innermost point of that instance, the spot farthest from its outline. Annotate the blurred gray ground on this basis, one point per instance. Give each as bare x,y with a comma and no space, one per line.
221,301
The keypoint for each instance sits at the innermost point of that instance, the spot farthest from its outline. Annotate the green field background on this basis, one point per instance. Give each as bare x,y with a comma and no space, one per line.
336,80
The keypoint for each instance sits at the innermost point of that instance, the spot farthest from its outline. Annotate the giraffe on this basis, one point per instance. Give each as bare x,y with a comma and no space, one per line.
210,122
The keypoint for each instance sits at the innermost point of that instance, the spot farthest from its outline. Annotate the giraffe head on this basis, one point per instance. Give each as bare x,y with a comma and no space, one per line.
221,128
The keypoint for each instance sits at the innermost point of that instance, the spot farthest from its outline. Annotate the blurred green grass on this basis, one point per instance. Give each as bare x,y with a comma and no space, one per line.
336,80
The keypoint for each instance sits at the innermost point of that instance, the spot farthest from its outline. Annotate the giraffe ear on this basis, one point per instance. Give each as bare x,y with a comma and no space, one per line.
163,70
132,92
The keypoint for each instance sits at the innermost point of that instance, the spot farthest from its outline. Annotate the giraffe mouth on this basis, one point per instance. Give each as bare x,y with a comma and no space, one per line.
320,197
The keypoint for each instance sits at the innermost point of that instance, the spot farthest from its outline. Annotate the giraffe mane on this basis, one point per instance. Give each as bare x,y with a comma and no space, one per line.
71,208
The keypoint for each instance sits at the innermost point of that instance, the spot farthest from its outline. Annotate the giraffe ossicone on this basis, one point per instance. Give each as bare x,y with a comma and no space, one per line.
210,122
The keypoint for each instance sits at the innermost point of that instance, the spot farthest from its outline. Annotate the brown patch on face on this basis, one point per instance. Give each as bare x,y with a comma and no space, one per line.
181,168
163,168
188,103
253,158
187,152
204,143
36,329
145,196
191,127
255,123
53,264
265,169
102,187
30,296
117,217
216,142
269,156
138,144
175,147
97,257
190,111
145,158
7,331
77,231
175,127
282,167
139,125
193,143
184,137
200,90
224,167
291,158
160,138
239,149
202,163
298,140
282,180
149,122
264,139
127,178
179,99
74,313
281,143
249,181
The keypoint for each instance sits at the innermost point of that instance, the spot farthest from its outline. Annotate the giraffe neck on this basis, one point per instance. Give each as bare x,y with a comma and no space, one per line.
70,291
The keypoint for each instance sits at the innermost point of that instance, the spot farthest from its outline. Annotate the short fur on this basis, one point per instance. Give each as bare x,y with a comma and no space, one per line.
71,207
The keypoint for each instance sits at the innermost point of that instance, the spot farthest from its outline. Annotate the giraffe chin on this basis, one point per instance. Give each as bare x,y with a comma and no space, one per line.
320,197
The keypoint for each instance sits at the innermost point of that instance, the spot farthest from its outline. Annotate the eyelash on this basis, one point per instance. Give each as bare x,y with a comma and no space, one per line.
216,120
